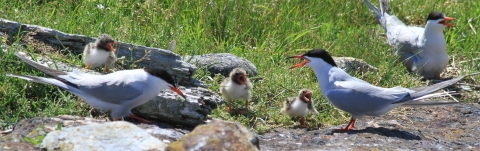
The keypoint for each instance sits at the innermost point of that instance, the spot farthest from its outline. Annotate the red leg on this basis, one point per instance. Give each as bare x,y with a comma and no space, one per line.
303,123
349,127
86,68
116,119
229,108
140,119
244,111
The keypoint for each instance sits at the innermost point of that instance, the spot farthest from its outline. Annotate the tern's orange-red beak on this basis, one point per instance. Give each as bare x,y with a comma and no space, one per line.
444,22
243,79
308,96
111,47
300,64
177,90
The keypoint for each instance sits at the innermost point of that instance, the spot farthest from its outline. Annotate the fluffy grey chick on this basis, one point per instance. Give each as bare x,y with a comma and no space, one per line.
299,105
100,53
236,86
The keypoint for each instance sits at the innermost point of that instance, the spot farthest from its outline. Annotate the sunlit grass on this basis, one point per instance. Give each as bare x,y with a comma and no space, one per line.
264,32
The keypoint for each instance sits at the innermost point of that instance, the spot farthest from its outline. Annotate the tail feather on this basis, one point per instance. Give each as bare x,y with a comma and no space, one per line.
377,12
42,80
425,92
49,71
443,94
422,91
380,14
430,103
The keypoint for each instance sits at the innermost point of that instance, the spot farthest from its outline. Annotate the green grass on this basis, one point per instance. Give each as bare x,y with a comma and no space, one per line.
264,32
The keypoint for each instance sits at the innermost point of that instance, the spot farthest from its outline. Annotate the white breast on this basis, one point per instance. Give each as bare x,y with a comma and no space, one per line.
298,108
235,91
96,58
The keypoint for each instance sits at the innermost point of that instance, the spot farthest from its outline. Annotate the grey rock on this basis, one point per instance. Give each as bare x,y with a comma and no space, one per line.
38,126
221,63
350,64
149,57
217,135
168,107
108,136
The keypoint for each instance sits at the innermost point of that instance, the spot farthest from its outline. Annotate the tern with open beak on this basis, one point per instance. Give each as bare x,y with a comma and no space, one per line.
360,98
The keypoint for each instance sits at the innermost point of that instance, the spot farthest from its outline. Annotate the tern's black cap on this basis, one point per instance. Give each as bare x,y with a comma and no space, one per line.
435,15
323,54
162,74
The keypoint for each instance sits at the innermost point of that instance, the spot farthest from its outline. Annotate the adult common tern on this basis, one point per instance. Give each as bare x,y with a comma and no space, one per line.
360,98
100,53
422,50
299,106
117,92
236,86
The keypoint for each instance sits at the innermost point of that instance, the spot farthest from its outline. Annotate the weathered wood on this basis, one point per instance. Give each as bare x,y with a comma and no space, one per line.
155,57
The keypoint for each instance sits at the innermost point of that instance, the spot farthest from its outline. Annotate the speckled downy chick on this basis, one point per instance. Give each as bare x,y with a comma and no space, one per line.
236,86
100,53
299,105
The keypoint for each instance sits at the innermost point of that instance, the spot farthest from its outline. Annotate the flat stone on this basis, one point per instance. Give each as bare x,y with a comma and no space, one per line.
108,136
221,63
350,64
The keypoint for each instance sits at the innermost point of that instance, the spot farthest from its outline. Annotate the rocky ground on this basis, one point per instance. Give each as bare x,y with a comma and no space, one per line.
425,128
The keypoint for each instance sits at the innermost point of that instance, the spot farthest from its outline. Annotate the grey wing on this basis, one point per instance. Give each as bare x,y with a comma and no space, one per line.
115,93
361,99
405,39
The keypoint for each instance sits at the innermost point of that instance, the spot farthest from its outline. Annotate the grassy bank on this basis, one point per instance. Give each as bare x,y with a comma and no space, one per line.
264,32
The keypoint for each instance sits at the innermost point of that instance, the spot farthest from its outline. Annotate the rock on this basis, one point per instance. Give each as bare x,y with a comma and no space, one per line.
109,136
170,108
221,63
34,127
405,128
147,57
37,127
217,135
167,106
349,64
